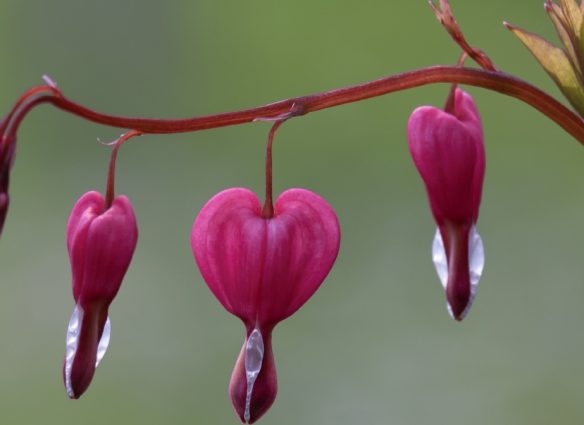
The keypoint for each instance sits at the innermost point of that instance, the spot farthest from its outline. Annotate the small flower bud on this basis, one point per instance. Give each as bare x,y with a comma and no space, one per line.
448,151
101,242
7,148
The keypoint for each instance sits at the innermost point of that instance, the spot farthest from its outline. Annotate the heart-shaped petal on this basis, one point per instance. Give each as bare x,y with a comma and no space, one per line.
263,270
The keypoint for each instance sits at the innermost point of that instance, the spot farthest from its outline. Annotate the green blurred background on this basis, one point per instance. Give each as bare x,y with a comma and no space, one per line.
375,345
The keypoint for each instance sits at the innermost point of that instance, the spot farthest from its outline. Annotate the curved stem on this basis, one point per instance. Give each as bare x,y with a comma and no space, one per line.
25,97
11,128
111,175
268,209
491,80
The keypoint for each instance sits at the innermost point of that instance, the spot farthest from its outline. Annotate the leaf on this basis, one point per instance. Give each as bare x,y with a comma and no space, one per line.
569,37
556,63
581,38
573,14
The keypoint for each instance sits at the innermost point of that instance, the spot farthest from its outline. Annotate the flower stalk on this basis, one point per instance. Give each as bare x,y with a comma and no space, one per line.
497,81
268,208
111,175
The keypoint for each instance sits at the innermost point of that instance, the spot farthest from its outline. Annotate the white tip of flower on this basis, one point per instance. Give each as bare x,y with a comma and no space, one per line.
254,355
71,348
72,341
103,342
476,255
439,258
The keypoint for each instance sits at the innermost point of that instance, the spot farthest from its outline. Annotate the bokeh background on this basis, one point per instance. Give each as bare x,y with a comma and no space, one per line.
375,345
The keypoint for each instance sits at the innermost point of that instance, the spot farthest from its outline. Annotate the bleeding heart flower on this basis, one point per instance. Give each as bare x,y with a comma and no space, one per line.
101,241
448,151
262,270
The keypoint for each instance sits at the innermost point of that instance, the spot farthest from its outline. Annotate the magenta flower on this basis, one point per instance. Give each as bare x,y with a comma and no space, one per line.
262,270
448,151
101,242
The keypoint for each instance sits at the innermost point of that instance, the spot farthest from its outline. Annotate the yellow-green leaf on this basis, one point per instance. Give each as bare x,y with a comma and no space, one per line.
556,63
550,5
581,40
573,14
570,38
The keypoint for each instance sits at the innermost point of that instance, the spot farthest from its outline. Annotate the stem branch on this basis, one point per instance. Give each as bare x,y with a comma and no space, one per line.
111,175
491,80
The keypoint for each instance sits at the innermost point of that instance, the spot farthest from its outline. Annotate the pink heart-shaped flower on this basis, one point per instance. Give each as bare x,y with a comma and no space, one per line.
262,270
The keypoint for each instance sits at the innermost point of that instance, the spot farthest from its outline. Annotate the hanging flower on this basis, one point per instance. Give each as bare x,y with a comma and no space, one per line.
448,151
101,241
262,269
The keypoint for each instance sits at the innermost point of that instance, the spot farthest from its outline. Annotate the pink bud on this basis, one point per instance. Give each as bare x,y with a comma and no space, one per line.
262,270
7,148
101,242
448,151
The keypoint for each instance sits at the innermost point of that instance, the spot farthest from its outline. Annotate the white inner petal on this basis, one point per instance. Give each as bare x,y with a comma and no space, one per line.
104,341
439,258
254,355
476,255
72,341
